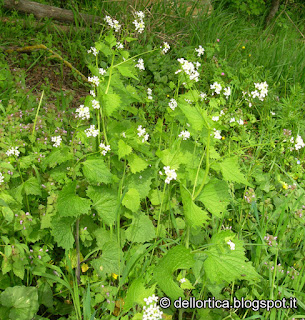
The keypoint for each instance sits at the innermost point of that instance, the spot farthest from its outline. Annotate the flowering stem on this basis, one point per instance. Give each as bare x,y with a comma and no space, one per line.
159,216
26,196
207,168
34,126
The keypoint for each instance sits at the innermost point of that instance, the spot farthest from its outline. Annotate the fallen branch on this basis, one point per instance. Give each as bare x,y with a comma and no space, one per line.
43,47
41,11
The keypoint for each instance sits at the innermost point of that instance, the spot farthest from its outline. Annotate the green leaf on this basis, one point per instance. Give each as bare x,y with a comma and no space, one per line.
8,214
231,171
226,265
124,149
18,268
111,102
27,161
96,171
105,202
132,200
141,182
22,302
177,257
62,232
45,295
193,116
100,46
172,157
215,196
111,260
136,163
141,229
32,186
71,205
194,215
57,156
136,294
127,70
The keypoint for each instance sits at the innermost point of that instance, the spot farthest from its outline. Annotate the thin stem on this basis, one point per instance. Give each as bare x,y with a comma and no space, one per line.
159,216
77,272
34,126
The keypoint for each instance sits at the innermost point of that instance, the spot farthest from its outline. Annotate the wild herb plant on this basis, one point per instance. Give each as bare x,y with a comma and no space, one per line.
160,183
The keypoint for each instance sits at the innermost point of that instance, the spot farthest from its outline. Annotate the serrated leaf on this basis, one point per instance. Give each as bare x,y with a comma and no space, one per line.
71,205
62,232
231,171
96,171
226,265
141,181
194,215
27,161
127,70
177,257
32,186
215,196
193,116
8,214
105,202
132,200
141,229
22,302
57,156
172,158
136,294
136,163
111,103
111,260
18,269
123,149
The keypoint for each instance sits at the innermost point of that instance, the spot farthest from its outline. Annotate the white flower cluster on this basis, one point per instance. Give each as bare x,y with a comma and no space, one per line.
190,69
101,71
1,178
13,151
217,134
227,92
203,96
114,24
165,47
95,104
182,280
216,87
142,133
93,50
140,25
83,112
152,312
140,64
261,91
119,45
92,93
184,135
91,132
95,80
200,51
299,143
105,148
231,244
173,104
149,94
170,174
215,118
240,121
57,141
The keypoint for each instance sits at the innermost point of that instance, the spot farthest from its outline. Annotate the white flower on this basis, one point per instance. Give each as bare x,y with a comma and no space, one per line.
95,80
95,104
109,21
217,87
140,64
92,93
170,174
203,96
182,280
123,134
173,104
261,92
240,122
216,118
101,71
217,134
91,132
1,178
184,135
145,138
140,26
83,112
149,94
93,50
105,148
140,14
57,141
232,120
299,143
165,47
227,92
231,244
141,131
221,112
200,51
119,45
116,25
13,151
189,69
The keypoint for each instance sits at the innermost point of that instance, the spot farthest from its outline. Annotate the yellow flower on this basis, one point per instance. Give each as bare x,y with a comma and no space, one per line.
167,95
114,276
250,55
222,138
243,47
84,267
285,186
